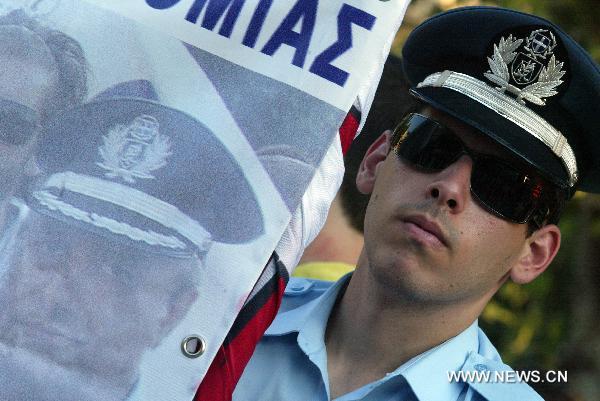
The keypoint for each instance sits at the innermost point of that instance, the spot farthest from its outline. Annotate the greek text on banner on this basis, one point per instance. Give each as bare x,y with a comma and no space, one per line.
319,47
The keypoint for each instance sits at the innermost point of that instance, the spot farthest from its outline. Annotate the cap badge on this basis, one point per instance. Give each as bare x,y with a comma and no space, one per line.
532,76
134,150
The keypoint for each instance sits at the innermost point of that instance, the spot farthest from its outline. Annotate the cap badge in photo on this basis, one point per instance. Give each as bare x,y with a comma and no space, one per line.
134,150
534,72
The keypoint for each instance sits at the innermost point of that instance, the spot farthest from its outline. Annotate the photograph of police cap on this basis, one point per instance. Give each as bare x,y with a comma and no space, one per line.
465,195
43,71
106,263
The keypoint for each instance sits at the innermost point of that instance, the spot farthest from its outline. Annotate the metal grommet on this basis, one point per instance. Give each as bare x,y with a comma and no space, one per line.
193,346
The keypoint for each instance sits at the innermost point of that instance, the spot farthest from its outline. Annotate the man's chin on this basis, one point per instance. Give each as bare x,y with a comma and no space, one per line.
25,376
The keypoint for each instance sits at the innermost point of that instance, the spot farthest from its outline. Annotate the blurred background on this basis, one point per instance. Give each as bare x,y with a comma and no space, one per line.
553,323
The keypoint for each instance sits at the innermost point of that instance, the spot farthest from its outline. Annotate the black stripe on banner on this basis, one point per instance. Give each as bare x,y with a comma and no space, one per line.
261,297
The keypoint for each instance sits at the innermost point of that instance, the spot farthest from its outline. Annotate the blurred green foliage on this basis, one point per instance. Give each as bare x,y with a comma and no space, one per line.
580,18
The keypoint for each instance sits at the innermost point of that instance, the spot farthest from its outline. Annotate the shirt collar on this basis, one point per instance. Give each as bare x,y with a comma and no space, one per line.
426,373
310,318
310,321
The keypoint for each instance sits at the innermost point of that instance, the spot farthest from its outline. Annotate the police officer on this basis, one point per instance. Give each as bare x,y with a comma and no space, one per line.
465,195
108,259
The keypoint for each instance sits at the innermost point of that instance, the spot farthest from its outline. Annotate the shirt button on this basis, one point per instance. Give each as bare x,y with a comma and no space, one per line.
193,346
481,367
297,287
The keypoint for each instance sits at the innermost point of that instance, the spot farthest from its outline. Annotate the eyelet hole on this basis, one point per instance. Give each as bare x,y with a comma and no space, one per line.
193,346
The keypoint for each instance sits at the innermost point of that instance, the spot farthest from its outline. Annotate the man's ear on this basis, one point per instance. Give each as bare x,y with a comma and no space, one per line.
539,250
178,306
367,171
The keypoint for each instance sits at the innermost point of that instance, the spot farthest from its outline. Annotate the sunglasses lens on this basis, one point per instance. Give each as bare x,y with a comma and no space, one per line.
15,132
503,189
499,187
426,144
18,123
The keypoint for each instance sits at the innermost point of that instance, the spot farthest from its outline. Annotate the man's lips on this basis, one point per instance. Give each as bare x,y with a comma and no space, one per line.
47,330
426,229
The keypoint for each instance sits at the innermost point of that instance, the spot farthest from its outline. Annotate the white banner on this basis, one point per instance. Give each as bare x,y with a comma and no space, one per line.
155,154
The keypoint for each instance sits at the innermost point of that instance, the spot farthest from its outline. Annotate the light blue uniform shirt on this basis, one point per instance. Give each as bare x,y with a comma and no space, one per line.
290,362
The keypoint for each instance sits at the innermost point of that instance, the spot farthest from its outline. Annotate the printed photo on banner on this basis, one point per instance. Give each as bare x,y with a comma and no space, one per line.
130,157
147,177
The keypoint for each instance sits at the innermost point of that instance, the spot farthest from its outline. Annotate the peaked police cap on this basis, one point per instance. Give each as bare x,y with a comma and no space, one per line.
134,170
517,78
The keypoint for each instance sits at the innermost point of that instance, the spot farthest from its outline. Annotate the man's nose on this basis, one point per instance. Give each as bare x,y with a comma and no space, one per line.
62,298
451,187
53,257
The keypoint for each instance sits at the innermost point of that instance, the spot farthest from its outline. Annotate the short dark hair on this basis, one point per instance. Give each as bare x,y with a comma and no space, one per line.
391,102
69,57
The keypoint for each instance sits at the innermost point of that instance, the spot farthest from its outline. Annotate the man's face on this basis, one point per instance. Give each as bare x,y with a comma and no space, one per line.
86,304
28,76
476,249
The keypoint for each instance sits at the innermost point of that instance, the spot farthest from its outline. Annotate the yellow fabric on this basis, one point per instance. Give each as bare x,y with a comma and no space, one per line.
329,271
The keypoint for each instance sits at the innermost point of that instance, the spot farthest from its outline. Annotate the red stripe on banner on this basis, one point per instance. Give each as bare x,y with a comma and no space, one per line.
349,128
232,358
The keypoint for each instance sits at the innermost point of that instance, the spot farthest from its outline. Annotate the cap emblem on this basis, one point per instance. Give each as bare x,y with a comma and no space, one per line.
531,76
134,150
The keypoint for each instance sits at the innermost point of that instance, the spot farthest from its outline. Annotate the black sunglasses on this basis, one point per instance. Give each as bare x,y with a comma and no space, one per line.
499,187
18,123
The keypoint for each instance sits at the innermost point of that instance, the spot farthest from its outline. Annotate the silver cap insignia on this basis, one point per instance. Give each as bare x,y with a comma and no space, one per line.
529,69
134,150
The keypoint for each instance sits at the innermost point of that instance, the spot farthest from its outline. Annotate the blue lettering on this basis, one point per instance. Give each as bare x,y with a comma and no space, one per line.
214,12
256,23
305,11
303,15
162,4
322,65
